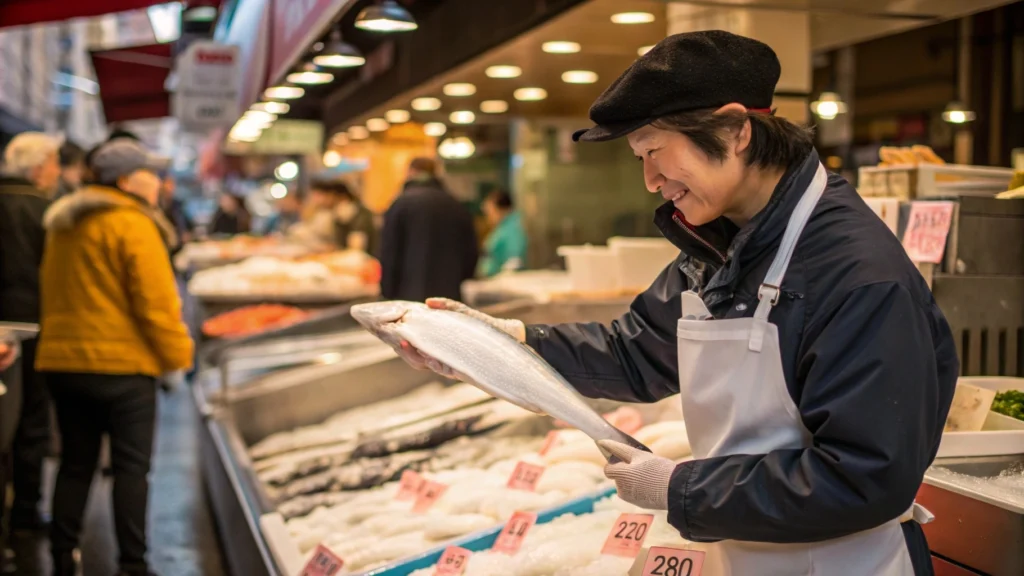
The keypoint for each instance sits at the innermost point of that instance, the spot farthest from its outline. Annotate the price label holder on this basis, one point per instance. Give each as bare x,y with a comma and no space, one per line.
525,477
453,562
323,563
511,538
430,493
627,535
550,441
409,486
672,562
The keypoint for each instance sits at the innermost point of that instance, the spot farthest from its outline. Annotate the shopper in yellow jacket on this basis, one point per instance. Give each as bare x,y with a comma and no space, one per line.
111,325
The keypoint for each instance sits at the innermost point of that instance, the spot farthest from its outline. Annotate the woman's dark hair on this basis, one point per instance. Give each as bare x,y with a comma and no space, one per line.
333,187
774,142
71,154
501,198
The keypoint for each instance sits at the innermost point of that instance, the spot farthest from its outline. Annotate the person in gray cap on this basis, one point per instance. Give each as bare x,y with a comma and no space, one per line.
814,367
111,325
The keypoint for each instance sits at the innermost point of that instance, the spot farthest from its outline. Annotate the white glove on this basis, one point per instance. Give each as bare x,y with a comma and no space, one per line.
641,477
421,361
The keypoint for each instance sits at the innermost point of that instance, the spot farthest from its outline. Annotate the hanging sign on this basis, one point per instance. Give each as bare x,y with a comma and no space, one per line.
208,83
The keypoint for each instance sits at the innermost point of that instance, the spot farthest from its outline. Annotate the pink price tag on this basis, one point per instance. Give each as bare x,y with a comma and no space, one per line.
673,562
525,477
429,494
511,538
453,562
927,230
549,442
323,563
627,535
409,486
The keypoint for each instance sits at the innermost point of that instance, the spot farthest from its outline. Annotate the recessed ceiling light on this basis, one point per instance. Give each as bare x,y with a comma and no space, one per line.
633,18
358,133
494,106
504,72
340,139
458,148
283,92
434,129
332,159
530,94
459,89
377,125
397,116
561,47
272,107
645,49
259,118
579,77
426,104
462,117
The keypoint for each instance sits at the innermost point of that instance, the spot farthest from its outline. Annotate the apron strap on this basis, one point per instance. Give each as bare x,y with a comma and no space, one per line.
771,287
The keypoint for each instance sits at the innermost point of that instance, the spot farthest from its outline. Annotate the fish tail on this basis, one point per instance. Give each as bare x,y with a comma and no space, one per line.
623,438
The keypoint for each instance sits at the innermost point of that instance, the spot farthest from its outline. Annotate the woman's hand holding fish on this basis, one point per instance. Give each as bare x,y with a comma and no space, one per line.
421,361
514,328
641,477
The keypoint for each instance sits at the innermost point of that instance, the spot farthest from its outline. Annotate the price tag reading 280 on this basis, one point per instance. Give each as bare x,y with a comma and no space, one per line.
511,538
673,562
627,535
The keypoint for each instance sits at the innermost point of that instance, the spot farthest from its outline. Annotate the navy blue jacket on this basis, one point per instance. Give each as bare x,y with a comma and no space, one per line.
868,358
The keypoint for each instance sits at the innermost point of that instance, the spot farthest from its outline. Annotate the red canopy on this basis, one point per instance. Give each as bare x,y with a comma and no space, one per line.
21,12
132,82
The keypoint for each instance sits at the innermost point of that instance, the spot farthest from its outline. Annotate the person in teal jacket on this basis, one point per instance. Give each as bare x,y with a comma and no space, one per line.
505,247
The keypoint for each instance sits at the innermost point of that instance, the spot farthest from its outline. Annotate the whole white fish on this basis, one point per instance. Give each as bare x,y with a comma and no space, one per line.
489,359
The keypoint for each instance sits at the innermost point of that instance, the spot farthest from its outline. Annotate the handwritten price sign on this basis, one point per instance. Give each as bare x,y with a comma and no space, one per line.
429,494
323,563
627,535
453,562
511,538
927,230
409,486
525,477
673,562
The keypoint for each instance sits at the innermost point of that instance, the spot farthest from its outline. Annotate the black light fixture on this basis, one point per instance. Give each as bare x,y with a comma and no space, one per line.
386,16
339,54
199,11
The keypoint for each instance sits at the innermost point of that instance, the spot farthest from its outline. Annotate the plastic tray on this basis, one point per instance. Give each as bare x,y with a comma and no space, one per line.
1001,435
484,539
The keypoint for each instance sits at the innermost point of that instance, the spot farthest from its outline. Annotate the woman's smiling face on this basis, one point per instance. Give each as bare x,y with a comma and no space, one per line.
703,189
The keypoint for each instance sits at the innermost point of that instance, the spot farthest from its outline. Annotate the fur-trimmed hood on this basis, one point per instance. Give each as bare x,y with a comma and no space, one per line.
67,212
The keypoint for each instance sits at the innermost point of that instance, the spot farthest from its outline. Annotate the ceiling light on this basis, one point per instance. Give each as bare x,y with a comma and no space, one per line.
494,106
957,113
272,107
397,116
386,16
278,190
332,159
579,77
200,14
426,104
458,148
504,72
310,75
287,170
358,133
242,133
632,18
434,129
259,117
530,94
377,125
561,47
459,89
828,106
644,50
339,54
462,117
283,93
340,139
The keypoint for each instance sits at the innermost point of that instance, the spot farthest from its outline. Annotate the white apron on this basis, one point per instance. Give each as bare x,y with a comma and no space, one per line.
735,401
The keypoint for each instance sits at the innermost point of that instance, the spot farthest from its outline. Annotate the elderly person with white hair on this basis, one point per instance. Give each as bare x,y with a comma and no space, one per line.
28,178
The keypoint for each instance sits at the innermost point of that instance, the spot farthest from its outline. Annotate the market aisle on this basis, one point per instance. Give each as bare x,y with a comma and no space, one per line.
183,541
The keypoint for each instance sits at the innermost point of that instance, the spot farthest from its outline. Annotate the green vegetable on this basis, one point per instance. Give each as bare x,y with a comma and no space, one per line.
1009,403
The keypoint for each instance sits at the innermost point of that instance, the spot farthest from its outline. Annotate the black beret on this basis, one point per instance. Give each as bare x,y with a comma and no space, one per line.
689,71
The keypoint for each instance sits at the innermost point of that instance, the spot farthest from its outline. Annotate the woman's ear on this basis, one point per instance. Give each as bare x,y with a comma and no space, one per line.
740,131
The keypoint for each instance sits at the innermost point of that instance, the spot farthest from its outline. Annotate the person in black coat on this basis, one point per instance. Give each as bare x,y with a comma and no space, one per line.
428,241
31,173
231,217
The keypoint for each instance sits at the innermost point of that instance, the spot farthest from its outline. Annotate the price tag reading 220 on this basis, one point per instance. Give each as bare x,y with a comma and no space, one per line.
673,562
627,535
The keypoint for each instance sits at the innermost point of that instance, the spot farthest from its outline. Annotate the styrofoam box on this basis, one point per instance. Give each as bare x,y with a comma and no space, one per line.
640,260
1000,435
591,268
888,209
